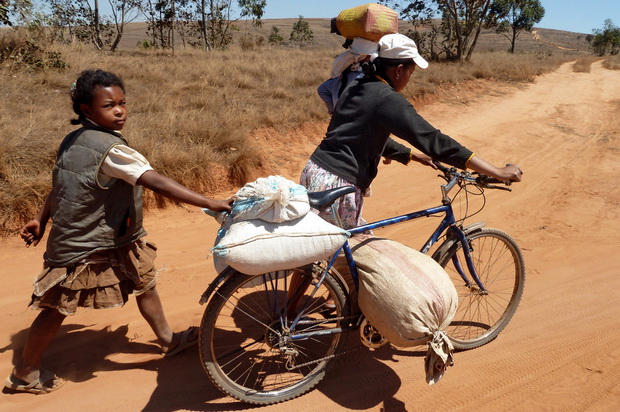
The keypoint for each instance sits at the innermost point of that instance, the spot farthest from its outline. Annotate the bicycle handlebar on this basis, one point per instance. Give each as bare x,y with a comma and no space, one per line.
487,182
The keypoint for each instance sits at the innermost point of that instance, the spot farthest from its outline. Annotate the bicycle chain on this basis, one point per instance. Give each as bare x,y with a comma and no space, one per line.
319,360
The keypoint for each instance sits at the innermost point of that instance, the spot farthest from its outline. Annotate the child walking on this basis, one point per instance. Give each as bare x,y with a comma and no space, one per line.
96,255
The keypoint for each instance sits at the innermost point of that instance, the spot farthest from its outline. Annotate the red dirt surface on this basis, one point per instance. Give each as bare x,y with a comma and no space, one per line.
560,352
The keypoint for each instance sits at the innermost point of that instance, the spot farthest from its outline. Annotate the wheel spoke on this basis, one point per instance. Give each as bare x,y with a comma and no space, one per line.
245,340
499,265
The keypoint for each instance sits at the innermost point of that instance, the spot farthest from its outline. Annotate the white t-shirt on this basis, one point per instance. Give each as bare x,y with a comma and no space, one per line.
125,163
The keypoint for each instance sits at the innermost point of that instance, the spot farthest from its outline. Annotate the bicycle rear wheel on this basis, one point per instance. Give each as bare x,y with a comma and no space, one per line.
481,315
247,344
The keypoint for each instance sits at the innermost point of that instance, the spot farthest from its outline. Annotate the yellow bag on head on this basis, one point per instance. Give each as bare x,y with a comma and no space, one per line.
370,21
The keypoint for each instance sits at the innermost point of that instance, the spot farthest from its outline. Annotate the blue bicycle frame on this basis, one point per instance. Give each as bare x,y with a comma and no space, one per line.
447,223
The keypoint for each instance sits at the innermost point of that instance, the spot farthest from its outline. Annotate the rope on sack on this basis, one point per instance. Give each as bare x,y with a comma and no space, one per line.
282,195
438,357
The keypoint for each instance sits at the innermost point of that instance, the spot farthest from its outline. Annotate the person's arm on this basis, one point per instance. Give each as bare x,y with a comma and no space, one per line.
125,163
396,151
510,172
423,159
326,93
173,190
402,154
407,124
33,231
403,121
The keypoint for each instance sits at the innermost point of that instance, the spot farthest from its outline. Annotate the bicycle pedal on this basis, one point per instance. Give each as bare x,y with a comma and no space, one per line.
370,337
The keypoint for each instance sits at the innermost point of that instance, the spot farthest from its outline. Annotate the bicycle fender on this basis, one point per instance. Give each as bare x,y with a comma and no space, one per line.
221,278
451,239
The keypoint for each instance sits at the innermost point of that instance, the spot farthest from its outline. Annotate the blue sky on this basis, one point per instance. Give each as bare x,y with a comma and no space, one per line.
579,16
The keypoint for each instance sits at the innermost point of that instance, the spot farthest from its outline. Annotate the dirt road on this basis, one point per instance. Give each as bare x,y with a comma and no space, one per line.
560,352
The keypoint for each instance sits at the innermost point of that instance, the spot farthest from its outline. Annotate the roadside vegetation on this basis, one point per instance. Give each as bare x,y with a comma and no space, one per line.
193,113
584,64
612,62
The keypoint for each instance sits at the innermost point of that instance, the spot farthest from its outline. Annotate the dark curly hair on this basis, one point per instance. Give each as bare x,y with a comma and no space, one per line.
381,64
83,90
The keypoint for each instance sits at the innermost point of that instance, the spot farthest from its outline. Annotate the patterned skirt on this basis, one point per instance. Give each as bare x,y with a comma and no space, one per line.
102,280
349,207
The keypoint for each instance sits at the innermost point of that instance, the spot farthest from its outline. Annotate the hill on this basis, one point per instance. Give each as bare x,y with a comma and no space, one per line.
540,40
559,353
218,109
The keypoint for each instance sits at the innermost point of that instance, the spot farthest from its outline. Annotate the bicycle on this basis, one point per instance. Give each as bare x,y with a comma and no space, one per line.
265,339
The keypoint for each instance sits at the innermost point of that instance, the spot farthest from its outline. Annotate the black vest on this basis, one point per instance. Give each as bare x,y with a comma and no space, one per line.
87,216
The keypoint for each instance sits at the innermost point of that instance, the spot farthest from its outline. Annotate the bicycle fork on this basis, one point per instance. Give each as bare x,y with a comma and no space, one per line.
467,249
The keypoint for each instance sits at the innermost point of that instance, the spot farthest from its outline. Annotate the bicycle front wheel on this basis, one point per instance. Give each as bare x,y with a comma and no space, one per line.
249,346
482,314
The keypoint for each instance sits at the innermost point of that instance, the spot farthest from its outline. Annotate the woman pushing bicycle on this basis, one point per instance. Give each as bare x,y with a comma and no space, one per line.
368,112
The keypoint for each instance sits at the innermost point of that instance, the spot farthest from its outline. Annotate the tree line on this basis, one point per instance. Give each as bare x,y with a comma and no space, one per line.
450,29
208,24
443,29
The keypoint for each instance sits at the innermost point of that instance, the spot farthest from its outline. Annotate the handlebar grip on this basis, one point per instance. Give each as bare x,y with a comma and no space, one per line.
488,182
440,166
484,179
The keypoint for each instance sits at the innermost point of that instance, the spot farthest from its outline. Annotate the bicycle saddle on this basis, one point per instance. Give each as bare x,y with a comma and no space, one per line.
321,200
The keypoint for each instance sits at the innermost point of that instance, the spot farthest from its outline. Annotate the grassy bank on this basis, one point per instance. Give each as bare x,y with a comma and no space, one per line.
192,114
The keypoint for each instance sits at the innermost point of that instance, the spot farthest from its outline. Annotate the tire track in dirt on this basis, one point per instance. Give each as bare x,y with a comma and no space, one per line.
570,125
559,352
559,367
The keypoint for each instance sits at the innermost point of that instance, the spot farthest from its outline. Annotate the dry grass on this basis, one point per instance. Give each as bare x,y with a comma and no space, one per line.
192,114
500,66
612,62
584,64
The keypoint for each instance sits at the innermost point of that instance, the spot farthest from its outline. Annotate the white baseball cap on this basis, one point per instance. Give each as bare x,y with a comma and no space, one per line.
399,46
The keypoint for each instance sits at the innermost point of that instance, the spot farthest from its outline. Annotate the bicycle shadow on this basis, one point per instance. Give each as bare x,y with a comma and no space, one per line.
358,380
364,380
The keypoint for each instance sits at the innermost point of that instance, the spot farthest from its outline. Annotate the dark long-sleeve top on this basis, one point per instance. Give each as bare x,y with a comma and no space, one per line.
367,113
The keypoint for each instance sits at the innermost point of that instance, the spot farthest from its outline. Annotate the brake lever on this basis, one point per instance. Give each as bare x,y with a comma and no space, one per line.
485,181
498,187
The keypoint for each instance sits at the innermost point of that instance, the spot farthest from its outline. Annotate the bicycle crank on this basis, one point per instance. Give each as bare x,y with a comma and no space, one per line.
370,337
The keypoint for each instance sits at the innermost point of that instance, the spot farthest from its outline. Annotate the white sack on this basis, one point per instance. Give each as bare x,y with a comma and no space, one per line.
407,297
272,199
254,246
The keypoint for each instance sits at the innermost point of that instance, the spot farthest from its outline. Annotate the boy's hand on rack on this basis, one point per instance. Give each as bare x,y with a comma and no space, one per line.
222,205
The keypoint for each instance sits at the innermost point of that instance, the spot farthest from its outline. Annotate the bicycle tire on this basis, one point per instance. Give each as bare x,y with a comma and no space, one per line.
241,335
499,263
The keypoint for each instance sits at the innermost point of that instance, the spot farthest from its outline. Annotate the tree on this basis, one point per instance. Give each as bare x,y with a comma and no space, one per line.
511,17
4,12
123,12
97,35
420,15
275,38
187,23
90,26
63,17
160,18
217,18
301,32
606,40
457,33
254,9
84,23
21,12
